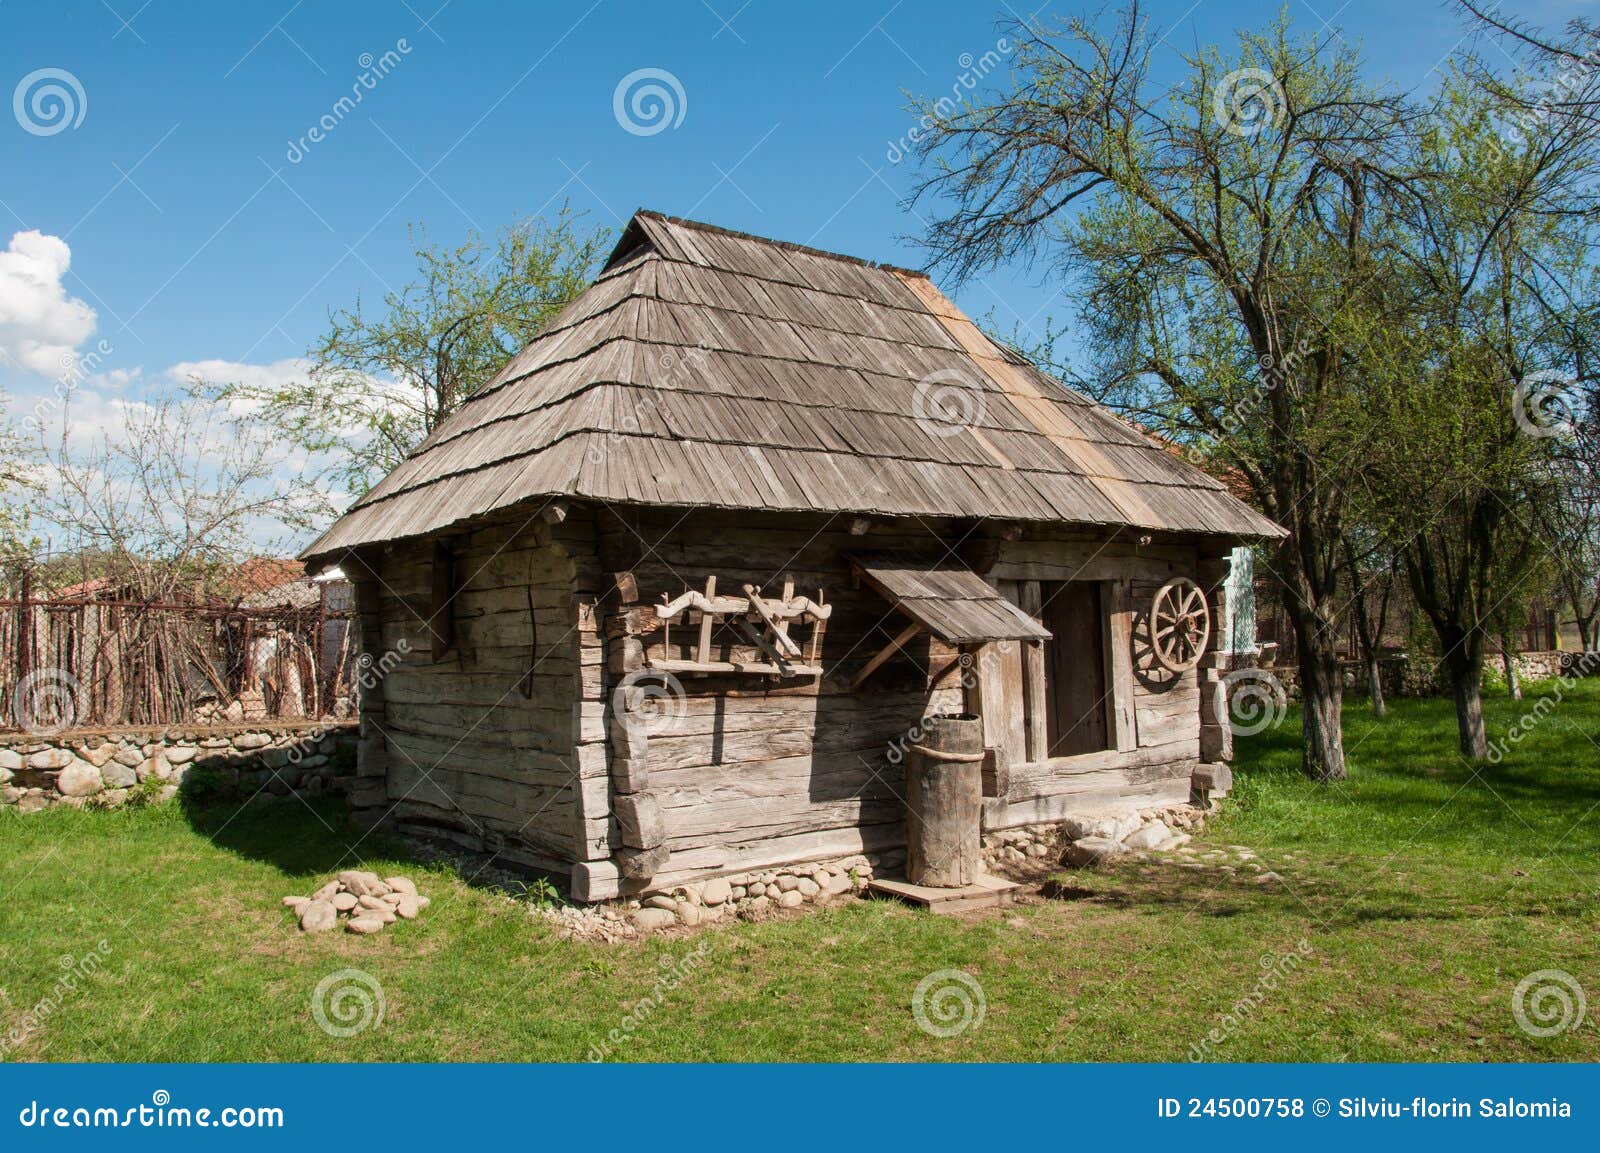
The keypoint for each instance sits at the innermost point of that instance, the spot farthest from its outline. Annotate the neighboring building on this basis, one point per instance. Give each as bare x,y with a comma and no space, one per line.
667,598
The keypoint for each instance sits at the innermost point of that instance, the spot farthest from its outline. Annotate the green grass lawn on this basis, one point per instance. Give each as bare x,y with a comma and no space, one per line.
1415,896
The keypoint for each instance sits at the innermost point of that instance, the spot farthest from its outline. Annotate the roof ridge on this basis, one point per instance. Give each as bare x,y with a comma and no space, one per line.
788,245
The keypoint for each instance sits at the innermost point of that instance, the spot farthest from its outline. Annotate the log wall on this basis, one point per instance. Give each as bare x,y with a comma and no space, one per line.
727,773
750,771
489,743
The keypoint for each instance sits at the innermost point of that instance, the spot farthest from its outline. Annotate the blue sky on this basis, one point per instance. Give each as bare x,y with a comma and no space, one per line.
195,238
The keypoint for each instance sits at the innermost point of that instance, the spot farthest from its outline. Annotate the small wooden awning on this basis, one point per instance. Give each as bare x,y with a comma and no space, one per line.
947,598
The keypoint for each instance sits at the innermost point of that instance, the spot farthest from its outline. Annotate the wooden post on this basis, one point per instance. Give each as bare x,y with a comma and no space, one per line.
944,796
25,630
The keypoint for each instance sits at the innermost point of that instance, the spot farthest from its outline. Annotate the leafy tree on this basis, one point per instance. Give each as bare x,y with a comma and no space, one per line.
381,380
1490,248
1221,232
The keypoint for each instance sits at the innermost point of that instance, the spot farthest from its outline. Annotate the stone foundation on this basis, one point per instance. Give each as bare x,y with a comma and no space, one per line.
1089,840
106,769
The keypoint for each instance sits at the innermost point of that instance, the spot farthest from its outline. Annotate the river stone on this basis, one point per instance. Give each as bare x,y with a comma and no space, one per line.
99,755
401,885
326,892
10,759
661,901
807,887
758,889
689,913
716,891
298,904
788,883
1087,852
790,898
1148,837
371,923
319,917
79,779
838,883
251,741
155,766
653,918
407,907
50,759
344,902
118,776
359,882
181,754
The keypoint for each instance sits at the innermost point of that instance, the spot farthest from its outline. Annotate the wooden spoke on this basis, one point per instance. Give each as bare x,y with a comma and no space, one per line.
1180,625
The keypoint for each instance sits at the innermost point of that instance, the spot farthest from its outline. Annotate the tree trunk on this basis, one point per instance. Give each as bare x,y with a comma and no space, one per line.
1508,662
1380,707
1466,680
1322,708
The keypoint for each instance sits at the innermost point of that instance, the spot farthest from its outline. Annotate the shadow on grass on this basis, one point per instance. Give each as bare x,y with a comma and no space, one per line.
299,835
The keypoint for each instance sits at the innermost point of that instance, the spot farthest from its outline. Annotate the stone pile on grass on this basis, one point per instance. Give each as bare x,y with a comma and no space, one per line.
364,901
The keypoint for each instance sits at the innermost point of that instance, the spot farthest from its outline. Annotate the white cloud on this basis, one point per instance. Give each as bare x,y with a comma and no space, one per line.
275,375
40,325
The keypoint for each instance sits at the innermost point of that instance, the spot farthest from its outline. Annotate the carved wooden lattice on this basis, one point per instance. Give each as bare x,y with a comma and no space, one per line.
765,623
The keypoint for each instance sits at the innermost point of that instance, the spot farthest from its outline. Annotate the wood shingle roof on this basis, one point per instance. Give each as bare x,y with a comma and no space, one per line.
710,368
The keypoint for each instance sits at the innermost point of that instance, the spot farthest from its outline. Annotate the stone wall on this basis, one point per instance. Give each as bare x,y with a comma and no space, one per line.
108,768
1547,666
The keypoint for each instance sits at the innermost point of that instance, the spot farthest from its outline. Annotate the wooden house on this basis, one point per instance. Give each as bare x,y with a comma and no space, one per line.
667,598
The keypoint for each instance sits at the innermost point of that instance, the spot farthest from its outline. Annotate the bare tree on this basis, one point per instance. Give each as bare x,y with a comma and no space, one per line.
1220,228
181,489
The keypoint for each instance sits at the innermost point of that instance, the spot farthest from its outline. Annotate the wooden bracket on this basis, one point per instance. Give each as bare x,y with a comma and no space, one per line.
895,645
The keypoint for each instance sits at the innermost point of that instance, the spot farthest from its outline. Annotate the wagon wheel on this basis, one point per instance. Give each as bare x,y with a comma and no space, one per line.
1180,625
